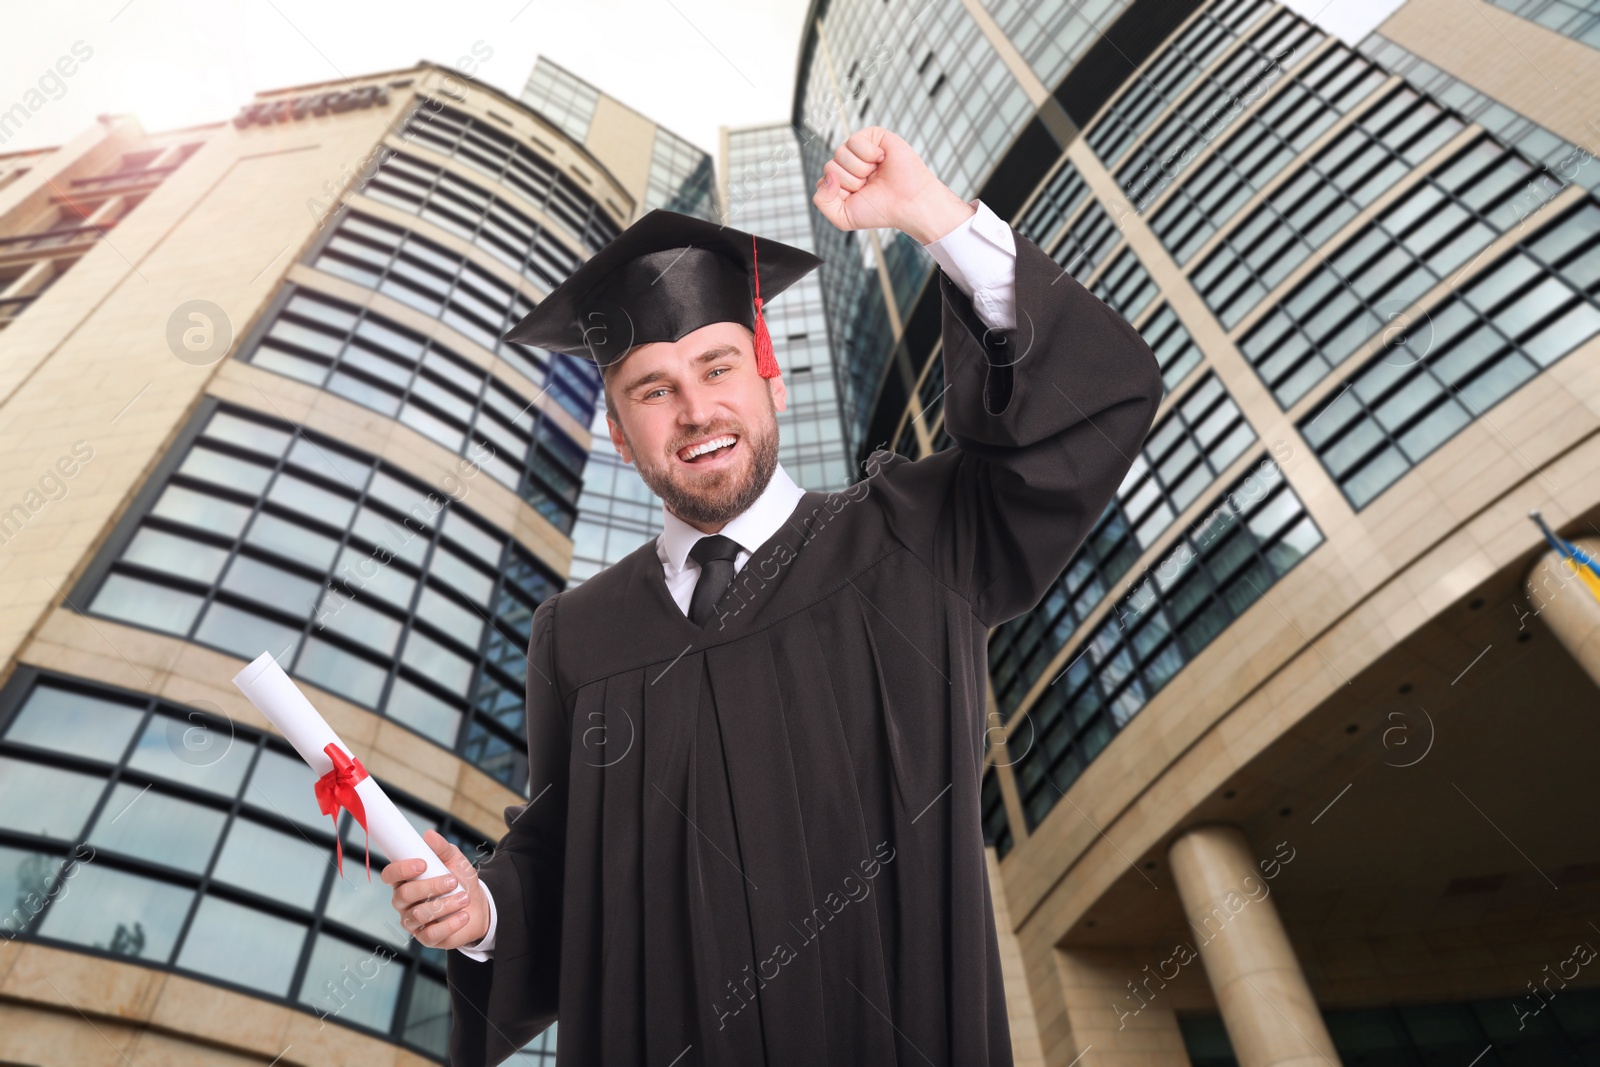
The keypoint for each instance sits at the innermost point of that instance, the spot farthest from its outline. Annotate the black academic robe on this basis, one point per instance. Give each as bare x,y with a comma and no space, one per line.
759,842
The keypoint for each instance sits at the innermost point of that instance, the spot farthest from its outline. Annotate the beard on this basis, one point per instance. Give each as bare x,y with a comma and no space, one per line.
713,499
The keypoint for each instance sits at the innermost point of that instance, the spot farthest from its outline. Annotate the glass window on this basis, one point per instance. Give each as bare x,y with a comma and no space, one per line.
446,614
48,801
321,311
460,575
402,496
341,672
389,340
279,865
397,373
195,751
292,541
364,393
247,635
69,721
182,556
271,585
428,1016
331,463
316,340
1572,328
27,881
1479,354
473,538
285,786
154,826
212,466
379,370
267,585
374,574
145,603
424,712
406,537
289,365
454,406
356,985
247,433
119,912
357,621
431,427
363,905
427,657
243,945
266,880
201,510
308,499
1152,631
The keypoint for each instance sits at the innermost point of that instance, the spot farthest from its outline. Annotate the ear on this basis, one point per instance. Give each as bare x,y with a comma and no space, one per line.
779,392
617,440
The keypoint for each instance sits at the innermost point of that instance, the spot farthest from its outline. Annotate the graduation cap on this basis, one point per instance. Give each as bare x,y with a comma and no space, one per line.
663,277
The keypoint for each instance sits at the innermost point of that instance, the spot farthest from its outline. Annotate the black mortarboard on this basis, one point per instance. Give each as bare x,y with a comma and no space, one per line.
663,277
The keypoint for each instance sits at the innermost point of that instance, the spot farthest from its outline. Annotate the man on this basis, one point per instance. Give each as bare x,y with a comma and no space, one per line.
755,744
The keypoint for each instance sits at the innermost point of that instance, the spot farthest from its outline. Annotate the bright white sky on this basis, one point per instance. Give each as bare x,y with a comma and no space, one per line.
691,65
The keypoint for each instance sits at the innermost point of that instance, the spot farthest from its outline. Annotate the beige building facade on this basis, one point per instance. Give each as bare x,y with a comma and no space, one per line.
269,409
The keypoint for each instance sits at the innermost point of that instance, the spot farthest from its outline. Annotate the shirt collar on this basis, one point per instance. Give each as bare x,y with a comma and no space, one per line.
751,527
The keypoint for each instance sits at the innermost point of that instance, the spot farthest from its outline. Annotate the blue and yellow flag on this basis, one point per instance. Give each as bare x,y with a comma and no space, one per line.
1588,570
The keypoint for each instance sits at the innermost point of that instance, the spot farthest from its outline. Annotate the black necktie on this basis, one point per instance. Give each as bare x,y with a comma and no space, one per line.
715,554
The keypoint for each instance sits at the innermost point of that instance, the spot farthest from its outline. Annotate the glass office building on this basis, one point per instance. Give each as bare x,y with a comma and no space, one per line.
761,191
1368,267
616,511
257,400
767,194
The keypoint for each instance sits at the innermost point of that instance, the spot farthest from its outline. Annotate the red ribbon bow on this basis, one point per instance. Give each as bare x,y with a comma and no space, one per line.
338,788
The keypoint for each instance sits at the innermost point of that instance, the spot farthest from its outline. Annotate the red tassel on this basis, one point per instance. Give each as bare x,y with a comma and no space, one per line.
766,360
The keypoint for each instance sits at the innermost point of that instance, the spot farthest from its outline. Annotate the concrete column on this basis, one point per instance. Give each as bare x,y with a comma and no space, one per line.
1117,1011
1266,1004
1562,599
1025,1048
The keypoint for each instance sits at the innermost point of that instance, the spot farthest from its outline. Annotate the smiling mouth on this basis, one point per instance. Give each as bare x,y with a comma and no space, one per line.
710,450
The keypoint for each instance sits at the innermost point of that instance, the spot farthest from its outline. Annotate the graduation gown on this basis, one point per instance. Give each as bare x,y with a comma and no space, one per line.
758,842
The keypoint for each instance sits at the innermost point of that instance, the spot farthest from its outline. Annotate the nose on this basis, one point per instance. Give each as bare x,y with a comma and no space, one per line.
696,404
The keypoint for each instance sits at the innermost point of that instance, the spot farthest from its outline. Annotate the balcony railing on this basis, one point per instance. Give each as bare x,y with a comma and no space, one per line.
100,183
25,242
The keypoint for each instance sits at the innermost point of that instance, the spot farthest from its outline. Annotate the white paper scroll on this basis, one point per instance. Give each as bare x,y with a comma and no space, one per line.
276,696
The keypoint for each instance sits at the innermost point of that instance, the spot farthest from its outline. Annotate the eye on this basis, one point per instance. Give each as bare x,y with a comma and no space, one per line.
719,369
653,392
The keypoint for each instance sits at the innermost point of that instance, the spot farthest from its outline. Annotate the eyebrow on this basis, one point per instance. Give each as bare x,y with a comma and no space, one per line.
715,352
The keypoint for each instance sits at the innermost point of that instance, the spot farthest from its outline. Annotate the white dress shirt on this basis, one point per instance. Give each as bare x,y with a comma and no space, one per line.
751,528
980,256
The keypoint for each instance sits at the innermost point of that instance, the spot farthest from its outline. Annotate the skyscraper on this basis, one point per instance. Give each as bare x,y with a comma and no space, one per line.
1254,792
767,194
617,512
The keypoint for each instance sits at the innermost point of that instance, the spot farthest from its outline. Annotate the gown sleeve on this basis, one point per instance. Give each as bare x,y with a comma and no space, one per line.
1047,419
500,1004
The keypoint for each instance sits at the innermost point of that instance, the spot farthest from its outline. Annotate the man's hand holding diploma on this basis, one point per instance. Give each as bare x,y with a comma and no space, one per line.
447,911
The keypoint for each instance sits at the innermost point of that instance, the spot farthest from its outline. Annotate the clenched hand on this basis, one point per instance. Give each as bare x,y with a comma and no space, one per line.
875,179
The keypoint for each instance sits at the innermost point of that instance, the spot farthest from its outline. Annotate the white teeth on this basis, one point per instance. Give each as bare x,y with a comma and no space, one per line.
714,443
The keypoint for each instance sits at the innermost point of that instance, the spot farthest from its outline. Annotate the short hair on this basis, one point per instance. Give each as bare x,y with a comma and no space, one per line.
606,374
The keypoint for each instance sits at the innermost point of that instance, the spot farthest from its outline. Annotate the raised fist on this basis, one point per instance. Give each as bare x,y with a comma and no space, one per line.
876,180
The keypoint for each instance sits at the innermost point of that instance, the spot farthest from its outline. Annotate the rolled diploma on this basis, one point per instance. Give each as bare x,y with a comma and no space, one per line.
275,695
